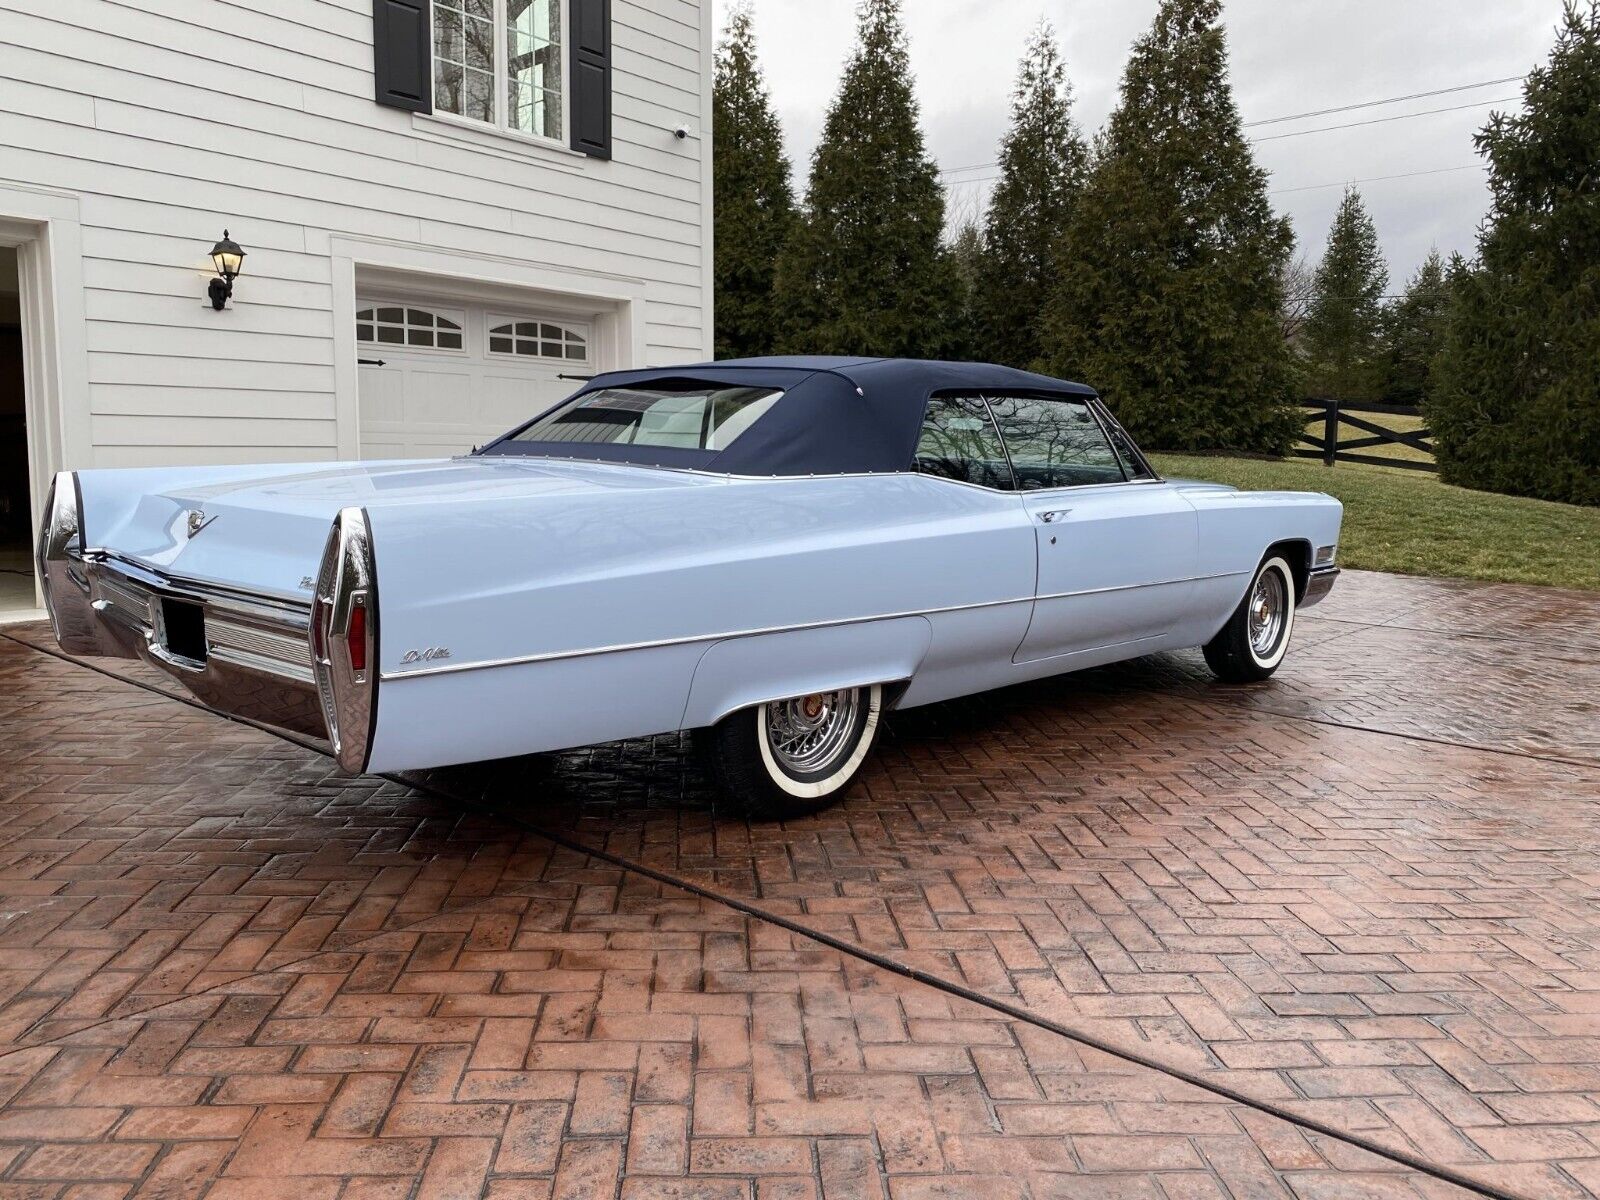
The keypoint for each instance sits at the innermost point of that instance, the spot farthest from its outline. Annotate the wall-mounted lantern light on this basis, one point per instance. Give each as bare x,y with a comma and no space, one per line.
229,260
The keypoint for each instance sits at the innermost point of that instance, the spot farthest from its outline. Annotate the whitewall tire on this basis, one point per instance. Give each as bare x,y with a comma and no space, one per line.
795,756
1252,644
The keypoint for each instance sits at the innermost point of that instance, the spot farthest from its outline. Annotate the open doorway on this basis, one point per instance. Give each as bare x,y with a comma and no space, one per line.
17,596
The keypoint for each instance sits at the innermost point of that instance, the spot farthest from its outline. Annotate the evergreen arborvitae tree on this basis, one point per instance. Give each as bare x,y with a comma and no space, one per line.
1516,406
1345,324
1170,271
1043,162
754,201
1415,333
865,272
964,337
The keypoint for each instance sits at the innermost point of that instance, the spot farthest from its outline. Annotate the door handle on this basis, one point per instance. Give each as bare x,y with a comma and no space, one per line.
1051,516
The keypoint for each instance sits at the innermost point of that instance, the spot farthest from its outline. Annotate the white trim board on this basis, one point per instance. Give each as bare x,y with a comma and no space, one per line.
44,227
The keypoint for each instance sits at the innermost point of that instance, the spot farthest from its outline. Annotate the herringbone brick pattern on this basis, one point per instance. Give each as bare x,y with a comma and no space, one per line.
1392,937
402,999
158,850
611,1038
1495,664
1410,960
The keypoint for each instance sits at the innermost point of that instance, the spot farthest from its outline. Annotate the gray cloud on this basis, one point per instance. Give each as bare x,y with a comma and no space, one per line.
1288,56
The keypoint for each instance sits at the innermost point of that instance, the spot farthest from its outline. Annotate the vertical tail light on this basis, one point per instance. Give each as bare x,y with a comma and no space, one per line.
344,639
355,637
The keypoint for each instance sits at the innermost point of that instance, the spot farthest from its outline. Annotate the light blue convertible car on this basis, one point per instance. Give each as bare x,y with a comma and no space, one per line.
771,553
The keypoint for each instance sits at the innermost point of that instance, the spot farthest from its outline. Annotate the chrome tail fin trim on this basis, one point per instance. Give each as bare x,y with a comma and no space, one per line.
344,639
63,572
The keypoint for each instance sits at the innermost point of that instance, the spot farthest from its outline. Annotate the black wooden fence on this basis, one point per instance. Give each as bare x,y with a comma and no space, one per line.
1330,449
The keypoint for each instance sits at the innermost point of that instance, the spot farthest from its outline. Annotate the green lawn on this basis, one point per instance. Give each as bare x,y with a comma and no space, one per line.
1407,521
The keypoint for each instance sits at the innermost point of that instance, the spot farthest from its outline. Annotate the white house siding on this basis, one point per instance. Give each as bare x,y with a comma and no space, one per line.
168,120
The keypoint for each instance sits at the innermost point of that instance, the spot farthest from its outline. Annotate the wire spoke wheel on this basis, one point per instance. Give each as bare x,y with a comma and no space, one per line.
809,734
1269,602
787,758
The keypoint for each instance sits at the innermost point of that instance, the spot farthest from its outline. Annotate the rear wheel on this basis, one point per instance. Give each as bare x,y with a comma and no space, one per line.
790,758
1256,637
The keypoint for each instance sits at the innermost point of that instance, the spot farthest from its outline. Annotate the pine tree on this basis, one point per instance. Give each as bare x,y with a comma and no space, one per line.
1043,162
865,272
754,201
1516,407
1345,325
1415,331
1170,270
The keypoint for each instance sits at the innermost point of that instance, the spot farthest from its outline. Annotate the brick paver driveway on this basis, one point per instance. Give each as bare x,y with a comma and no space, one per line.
1127,933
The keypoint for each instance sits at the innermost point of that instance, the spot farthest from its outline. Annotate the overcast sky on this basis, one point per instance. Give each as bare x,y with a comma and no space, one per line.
1287,56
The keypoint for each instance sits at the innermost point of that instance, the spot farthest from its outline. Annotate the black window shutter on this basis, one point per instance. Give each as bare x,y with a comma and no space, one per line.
591,77
402,57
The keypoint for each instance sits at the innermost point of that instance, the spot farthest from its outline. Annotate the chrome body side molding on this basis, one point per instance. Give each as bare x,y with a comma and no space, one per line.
453,668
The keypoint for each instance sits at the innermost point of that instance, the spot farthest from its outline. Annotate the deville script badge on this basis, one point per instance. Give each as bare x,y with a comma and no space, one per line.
431,654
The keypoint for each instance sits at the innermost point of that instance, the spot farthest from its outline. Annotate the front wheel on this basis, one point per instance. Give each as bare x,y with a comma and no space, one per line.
1253,642
791,758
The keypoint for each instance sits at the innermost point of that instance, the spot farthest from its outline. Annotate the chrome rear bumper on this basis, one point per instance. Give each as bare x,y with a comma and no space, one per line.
253,655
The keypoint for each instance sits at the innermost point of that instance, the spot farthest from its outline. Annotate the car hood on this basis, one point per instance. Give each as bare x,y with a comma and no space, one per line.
263,528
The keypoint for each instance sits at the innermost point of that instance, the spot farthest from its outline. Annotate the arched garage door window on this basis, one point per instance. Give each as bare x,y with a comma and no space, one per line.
538,339
419,328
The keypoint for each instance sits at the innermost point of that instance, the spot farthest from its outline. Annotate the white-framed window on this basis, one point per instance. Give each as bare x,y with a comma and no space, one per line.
415,327
501,62
538,337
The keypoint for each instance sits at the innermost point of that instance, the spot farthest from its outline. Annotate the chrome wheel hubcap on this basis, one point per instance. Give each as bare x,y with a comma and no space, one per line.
808,734
1269,602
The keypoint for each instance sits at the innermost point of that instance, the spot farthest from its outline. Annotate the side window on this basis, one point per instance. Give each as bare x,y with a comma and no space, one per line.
1054,443
1127,453
959,442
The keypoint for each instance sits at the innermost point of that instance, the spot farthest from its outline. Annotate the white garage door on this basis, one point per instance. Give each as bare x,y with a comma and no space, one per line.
438,379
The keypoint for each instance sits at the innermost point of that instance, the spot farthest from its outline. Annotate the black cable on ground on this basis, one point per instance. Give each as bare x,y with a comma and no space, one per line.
905,970
961,991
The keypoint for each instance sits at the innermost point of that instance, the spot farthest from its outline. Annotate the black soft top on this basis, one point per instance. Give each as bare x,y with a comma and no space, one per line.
837,415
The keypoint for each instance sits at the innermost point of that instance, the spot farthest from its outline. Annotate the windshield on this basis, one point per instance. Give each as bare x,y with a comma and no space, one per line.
685,417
